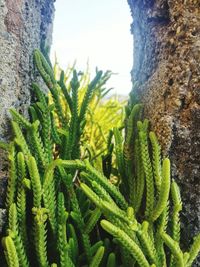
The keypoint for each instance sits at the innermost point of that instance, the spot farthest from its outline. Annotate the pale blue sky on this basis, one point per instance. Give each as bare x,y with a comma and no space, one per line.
98,30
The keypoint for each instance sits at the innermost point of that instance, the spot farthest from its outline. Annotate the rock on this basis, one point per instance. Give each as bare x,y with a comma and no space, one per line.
24,26
166,69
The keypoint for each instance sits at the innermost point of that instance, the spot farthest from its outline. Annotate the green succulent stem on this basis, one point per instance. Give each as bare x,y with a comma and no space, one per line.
78,159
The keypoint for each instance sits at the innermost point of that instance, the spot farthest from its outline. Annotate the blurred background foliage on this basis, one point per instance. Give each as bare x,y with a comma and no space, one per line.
105,111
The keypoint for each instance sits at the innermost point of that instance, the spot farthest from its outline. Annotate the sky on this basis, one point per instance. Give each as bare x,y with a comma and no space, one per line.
98,31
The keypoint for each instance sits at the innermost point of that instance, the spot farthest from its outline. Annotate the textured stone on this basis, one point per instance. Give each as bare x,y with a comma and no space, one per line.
3,184
2,218
166,69
2,223
24,26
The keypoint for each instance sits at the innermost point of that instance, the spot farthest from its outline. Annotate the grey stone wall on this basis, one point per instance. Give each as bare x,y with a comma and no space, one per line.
24,26
166,66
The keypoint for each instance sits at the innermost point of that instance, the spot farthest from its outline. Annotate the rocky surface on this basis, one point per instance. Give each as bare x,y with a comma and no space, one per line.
166,68
24,26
